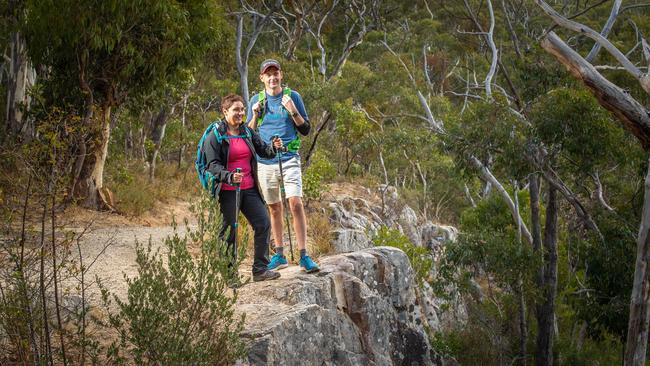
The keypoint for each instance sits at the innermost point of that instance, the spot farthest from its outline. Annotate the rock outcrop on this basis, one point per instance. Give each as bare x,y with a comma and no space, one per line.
361,309
356,221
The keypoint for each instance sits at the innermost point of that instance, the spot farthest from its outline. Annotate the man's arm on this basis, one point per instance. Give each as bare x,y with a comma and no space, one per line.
296,108
252,113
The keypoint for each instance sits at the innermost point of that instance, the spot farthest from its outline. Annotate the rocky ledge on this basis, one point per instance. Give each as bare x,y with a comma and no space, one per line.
360,309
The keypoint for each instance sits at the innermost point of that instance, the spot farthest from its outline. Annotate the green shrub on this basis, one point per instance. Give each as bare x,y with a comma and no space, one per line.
319,171
177,310
420,257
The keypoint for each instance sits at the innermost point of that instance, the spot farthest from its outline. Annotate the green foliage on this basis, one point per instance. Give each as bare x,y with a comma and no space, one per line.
604,267
488,241
571,122
119,47
603,349
490,131
420,257
319,172
177,310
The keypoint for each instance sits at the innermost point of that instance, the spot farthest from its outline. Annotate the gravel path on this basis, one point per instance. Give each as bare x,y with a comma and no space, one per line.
113,251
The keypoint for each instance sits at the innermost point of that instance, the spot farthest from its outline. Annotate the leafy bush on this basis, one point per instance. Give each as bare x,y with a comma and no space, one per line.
420,257
177,310
319,171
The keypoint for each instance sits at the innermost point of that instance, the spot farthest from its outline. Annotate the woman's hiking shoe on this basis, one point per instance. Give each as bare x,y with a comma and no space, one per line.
308,265
278,261
266,275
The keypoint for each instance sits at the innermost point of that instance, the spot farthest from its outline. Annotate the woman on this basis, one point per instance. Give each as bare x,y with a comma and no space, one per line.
234,146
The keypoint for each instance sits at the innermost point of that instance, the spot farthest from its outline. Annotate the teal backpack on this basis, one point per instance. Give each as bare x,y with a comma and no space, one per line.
205,177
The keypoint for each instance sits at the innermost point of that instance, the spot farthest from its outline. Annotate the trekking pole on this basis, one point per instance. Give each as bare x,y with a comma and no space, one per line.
237,198
284,198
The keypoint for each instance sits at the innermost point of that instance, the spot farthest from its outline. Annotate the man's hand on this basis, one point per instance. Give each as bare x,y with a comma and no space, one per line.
287,102
256,109
277,143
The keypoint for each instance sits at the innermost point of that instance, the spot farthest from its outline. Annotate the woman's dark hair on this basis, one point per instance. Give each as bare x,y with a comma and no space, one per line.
229,100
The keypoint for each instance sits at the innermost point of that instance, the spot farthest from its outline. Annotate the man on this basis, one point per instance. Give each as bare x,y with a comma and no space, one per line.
282,114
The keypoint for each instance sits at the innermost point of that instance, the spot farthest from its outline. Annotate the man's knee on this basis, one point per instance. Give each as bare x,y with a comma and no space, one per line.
295,203
275,208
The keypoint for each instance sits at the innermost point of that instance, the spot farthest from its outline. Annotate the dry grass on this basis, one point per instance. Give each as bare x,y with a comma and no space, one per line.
319,234
136,196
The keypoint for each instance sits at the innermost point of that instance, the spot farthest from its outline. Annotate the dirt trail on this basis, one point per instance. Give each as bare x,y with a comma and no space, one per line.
111,240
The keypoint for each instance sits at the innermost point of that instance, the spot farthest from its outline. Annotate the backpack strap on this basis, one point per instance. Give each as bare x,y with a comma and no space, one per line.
220,137
261,98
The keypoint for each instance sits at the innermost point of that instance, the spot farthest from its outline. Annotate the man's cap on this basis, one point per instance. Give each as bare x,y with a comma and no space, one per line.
269,63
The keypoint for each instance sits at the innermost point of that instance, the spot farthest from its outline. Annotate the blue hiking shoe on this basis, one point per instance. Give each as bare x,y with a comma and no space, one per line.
278,261
308,265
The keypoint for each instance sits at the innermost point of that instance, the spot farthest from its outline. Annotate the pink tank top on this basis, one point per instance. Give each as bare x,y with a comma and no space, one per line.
239,156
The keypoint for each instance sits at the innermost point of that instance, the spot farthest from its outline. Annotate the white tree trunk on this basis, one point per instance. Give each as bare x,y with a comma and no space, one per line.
606,29
637,330
241,61
21,76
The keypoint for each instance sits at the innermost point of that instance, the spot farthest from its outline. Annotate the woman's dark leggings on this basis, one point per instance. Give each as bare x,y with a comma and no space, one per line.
253,208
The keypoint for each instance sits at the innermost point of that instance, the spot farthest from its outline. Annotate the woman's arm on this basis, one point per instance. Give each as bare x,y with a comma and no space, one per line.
216,162
262,148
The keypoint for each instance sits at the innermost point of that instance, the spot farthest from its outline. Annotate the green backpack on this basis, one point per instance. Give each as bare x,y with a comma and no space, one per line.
292,146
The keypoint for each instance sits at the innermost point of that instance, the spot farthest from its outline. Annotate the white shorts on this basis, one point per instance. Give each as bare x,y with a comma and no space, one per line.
269,178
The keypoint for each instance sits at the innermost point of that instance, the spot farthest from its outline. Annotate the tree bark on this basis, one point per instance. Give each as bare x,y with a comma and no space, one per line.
643,78
21,76
295,37
637,331
241,60
606,29
90,187
159,124
548,274
553,179
181,150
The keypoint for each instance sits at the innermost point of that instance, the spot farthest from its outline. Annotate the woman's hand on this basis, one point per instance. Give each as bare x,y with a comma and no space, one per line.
237,177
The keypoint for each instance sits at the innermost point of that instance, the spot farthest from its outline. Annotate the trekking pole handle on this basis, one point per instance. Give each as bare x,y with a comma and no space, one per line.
282,149
237,170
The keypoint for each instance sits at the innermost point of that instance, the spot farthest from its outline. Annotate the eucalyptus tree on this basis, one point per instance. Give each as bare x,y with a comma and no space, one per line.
17,72
99,53
635,117
503,88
